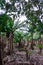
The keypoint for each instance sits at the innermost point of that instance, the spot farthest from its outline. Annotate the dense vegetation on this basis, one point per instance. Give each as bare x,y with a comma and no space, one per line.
21,36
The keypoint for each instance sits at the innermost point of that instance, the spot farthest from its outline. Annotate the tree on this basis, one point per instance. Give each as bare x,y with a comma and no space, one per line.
40,29
6,25
33,15
18,37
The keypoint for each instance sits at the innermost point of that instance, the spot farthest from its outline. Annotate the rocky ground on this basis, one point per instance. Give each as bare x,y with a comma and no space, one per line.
19,58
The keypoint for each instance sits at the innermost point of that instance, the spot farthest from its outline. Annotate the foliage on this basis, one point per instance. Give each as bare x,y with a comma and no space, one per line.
6,23
21,7
36,35
18,36
40,46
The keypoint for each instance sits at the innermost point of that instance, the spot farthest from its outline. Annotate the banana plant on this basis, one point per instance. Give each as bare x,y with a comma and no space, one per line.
18,37
9,26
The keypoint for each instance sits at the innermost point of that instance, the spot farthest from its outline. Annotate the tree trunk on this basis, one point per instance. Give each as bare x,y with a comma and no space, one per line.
32,44
27,55
40,48
0,56
20,45
0,52
11,42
